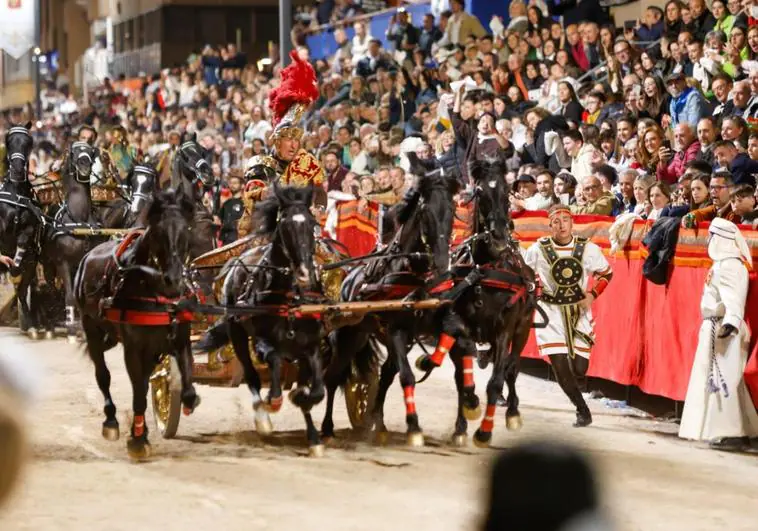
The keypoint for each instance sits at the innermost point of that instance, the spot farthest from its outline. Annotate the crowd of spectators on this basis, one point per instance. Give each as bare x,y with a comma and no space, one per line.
653,117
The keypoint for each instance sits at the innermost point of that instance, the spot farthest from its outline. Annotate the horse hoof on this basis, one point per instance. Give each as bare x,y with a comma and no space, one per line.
33,334
139,451
263,425
472,414
273,405
424,363
316,450
327,440
415,439
459,440
381,438
110,433
49,334
514,423
482,439
72,340
189,410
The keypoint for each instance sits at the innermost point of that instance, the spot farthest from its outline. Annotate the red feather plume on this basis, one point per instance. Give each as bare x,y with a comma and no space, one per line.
298,85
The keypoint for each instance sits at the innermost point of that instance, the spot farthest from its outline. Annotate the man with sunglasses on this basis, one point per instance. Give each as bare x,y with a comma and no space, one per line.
720,190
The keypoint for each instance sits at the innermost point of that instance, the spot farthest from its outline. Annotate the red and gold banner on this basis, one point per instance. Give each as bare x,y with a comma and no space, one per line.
358,226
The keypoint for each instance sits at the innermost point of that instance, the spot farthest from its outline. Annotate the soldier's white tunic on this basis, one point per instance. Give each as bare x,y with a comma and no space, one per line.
711,415
553,339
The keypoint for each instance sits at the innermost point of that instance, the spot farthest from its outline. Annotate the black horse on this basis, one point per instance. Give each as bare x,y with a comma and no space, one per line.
143,273
62,249
498,307
20,222
273,277
414,265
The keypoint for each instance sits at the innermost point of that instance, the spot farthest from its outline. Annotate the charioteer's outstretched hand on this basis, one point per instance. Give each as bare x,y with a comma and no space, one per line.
726,331
6,260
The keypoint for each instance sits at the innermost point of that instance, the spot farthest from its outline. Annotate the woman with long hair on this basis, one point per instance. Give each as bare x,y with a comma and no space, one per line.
673,22
656,97
607,35
570,109
646,157
724,19
537,21
659,197
752,43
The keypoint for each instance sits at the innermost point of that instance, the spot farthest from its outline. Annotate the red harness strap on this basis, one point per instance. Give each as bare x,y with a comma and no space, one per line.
151,317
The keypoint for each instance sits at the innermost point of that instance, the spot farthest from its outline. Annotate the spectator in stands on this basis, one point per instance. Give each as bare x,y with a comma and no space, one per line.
742,167
671,165
581,154
335,171
742,201
545,196
706,135
625,199
641,196
649,149
403,34
430,34
360,42
659,197
596,202
720,189
735,129
752,146
462,25
373,61
651,27
687,104
564,187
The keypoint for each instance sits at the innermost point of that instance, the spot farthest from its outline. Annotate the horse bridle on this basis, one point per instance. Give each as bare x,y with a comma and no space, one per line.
18,156
81,155
285,251
142,173
189,147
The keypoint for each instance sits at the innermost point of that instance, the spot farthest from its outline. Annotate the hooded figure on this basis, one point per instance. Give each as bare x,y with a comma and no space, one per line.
718,408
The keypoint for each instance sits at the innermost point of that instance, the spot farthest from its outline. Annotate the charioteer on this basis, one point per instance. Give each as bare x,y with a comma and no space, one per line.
565,263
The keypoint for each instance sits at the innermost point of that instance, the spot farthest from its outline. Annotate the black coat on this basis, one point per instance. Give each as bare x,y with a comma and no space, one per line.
661,244
574,13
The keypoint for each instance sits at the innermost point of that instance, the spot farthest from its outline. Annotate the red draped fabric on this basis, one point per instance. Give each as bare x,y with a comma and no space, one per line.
357,226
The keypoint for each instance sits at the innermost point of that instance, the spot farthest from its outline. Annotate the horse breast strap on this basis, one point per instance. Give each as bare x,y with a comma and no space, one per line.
566,272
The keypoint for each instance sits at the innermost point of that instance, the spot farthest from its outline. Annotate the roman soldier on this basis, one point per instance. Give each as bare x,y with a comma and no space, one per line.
288,102
564,263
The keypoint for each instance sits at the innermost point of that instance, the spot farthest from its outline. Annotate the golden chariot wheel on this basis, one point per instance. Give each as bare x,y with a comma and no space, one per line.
166,390
360,394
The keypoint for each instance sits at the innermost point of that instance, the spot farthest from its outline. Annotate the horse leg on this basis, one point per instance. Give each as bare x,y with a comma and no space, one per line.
386,376
239,339
399,341
64,271
274,400
23,291
305,398
513,419
345,343
190,399
565,377
461,424
467,350
483,435
138,445
96,348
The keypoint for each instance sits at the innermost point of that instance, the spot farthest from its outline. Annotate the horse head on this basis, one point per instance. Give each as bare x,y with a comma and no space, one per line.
169,219
82,158
285,216
19,143
493,202
142,180
435,189
192,164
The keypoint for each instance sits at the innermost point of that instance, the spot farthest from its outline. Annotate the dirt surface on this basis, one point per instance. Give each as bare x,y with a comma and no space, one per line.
220,473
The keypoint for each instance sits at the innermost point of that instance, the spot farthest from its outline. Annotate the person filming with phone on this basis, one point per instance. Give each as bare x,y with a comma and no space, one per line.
671,164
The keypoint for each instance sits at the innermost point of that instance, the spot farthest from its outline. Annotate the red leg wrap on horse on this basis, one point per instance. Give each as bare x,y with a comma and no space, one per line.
488,422
139,425
409,393
468,371
444,345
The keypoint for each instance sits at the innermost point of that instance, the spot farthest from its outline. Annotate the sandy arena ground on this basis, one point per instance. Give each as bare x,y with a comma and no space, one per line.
219,474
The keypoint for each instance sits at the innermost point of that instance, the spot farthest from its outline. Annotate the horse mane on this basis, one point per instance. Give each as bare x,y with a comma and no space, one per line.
266,214
167,198
431,176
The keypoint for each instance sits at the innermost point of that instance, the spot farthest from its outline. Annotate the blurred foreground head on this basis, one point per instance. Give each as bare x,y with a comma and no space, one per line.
543,486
